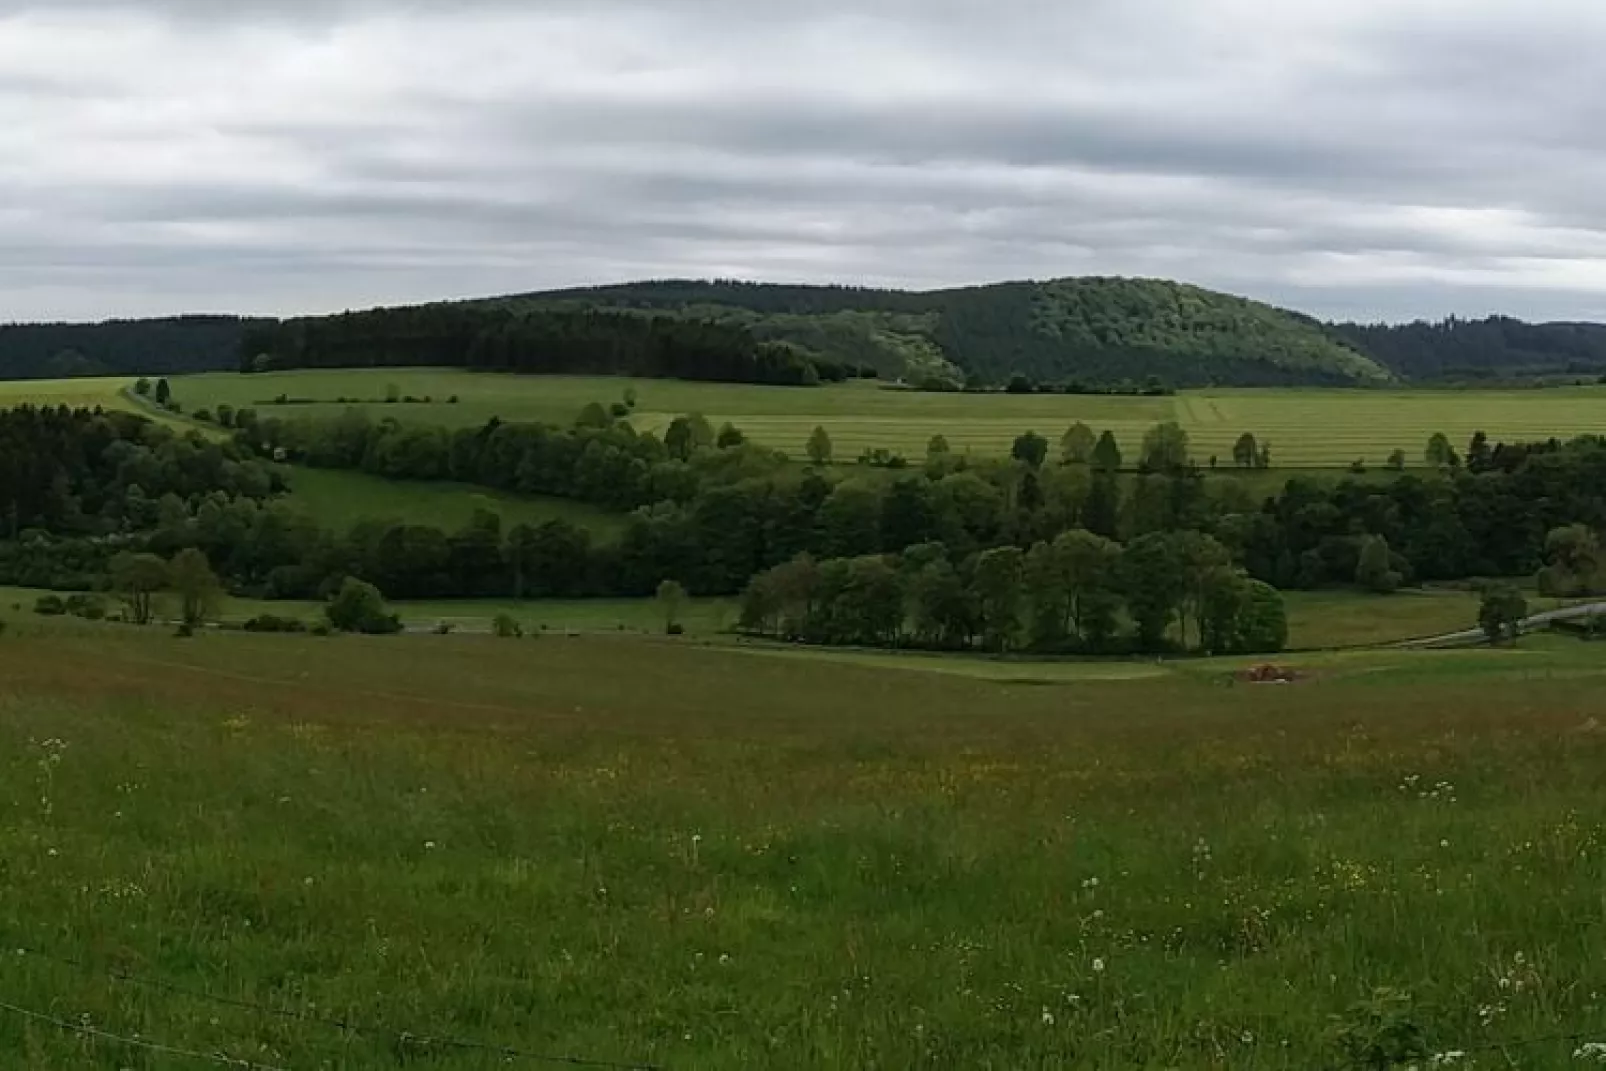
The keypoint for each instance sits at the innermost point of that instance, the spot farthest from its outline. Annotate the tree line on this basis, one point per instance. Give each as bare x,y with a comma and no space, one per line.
712,512
497,338
172,346
1079,593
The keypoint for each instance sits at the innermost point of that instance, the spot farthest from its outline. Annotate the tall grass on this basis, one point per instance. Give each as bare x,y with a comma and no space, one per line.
639,850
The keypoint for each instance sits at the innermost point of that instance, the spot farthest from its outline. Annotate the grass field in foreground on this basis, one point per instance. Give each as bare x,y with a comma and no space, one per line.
1306,428
640,850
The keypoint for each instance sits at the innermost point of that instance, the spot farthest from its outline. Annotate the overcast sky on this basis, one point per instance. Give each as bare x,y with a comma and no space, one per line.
1364,158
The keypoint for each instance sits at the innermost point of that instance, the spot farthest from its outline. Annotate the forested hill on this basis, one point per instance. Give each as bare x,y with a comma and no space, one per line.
120,347
1494,348
1095,330
1100,332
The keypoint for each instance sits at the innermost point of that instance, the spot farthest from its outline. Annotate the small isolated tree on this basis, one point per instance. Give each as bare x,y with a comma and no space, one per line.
1264,460
1396,461
730,436
164,393
594,415
1246,451
360,607
200,592
142,387
1375,570
630,398
504,627
671,602
1165,448
1501,615
820,446
136,578
1107,454
1030,449
1076,447
1574,563
1440,454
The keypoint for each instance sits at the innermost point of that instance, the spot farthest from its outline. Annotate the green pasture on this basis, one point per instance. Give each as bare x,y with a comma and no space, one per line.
1306,428
297,852
1317,620
339,499
1313,428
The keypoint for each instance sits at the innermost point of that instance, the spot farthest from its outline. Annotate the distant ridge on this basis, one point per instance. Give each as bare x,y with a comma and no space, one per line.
1094,330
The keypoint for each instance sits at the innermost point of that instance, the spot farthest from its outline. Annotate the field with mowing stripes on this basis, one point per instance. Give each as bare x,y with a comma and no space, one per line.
1306,428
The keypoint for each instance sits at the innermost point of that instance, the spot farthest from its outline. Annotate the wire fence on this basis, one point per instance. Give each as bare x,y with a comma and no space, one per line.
408,1039
90,1033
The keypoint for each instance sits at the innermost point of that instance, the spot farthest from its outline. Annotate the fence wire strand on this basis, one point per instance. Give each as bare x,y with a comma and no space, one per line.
84,1030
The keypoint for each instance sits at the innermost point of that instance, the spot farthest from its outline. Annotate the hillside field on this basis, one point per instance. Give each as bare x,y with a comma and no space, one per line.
339,499
1312,428
646,851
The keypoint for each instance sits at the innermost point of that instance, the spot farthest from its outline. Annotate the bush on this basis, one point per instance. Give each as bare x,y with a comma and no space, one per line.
185,631
359,607
619,410
322,630
273,623
444,628
50,606
88,607
505,628
676,629
204,415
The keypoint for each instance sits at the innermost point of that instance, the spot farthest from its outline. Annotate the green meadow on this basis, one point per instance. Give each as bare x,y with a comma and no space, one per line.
656,852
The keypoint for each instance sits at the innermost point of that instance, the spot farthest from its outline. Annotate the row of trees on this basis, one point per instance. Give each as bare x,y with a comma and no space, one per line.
1080,592
79,488
498,338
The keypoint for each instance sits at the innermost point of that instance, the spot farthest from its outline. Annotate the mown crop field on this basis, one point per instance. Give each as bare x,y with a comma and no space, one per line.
1306,428
659,852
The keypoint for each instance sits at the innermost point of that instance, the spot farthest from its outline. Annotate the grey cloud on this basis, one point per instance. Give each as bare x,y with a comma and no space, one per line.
1388,158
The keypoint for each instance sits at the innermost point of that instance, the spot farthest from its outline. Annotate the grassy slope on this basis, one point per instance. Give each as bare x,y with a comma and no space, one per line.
341,499
716,860
1307,428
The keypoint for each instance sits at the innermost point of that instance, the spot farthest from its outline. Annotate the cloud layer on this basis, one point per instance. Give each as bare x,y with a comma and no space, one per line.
1379,158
